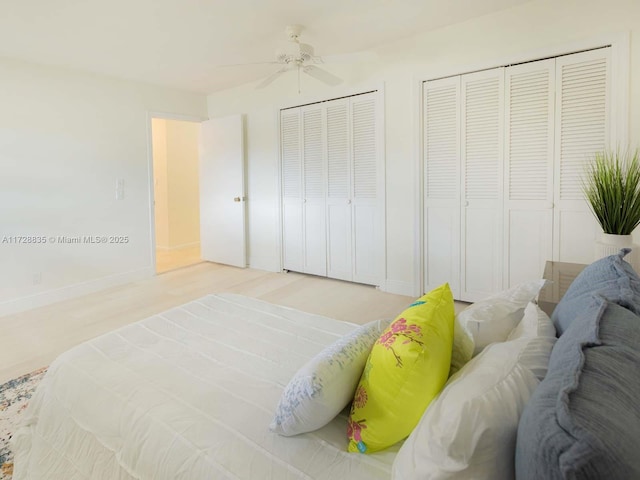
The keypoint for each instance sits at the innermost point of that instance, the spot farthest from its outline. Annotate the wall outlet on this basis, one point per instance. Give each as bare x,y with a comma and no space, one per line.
37,278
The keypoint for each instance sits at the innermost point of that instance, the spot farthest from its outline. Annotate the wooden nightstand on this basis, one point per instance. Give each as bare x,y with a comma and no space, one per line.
561,274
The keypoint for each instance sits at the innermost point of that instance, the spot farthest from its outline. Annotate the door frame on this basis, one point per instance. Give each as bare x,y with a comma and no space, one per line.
152,218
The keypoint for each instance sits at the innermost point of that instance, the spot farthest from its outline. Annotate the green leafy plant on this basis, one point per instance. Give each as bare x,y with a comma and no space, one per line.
612,188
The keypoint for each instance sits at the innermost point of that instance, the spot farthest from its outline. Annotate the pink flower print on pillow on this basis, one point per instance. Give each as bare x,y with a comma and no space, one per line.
387,339
354,429
399,325
361,397
399,328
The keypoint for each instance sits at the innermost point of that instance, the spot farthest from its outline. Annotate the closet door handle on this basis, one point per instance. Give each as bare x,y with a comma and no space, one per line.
349,202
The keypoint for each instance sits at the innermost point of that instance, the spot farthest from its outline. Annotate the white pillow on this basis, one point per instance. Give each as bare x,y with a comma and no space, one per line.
489,320
469,430
543,327
326,384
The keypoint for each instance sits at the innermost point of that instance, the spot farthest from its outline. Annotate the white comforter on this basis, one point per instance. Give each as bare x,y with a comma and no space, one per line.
187,394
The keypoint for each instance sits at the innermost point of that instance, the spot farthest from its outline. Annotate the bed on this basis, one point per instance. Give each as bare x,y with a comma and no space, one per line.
187,394
191,393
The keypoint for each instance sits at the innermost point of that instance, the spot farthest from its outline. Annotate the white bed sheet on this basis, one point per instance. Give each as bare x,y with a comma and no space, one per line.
187,394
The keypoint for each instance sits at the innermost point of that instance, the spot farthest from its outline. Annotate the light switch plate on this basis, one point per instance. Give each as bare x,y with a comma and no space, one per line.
120,189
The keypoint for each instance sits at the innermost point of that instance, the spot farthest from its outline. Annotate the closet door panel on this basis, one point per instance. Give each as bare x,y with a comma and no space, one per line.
292,236
481,275
582,128
333,189
315,242
339,257
314,211
441,157
292,222
529,238
364,189
525,135
576,236
338,204
442,248
482,183
529,131
364,235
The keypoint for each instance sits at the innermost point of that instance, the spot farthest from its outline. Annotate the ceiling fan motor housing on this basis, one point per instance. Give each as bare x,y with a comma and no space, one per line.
299,56
294,52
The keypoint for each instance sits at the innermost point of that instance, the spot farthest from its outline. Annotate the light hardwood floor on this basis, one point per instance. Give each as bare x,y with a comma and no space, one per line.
33,339
167,260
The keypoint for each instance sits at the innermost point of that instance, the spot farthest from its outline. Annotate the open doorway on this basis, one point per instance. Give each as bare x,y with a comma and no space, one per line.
176,193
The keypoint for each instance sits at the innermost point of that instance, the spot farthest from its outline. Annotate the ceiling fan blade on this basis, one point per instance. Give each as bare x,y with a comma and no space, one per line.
271,78
245,64
354,57
322,75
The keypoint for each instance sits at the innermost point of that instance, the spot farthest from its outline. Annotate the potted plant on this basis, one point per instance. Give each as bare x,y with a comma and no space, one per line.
612,189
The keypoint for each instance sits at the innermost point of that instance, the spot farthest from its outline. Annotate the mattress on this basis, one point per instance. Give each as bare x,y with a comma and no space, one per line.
187,394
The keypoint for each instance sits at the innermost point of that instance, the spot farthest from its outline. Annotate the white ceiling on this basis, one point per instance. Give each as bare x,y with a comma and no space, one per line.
180,43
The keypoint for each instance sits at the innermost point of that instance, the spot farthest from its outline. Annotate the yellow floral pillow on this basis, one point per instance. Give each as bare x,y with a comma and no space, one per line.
407,367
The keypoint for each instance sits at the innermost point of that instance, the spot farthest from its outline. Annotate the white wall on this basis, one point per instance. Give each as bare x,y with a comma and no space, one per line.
183,183
176,185
65,137
530,29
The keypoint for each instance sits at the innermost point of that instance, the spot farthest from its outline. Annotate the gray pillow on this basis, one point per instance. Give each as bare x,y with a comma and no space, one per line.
610,277
583,420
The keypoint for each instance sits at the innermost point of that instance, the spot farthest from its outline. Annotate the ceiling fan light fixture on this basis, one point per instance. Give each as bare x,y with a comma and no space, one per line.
300,57
295,52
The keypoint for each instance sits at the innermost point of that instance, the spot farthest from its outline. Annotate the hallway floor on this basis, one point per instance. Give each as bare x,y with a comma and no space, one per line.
167,260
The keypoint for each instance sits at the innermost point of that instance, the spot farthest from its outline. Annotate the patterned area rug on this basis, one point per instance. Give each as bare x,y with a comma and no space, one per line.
14,397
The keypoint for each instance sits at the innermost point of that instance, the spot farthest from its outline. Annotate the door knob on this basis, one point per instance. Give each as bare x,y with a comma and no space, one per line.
236,199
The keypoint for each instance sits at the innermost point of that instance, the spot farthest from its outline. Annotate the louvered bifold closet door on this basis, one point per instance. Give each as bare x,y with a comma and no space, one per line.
339,236
482,183
441,157
291,155
365,186
313,204
582,128
529,128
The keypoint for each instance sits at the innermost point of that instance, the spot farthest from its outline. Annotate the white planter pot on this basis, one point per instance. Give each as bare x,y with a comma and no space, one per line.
611,244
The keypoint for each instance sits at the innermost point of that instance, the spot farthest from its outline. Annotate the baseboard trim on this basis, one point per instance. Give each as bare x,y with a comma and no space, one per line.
399,287
48,297
182,246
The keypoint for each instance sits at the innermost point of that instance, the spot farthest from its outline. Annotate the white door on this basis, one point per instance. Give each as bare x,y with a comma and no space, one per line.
333,189
339,254
292,227
441,156
313,204
529,130
365,207
222,191
482,188
582,128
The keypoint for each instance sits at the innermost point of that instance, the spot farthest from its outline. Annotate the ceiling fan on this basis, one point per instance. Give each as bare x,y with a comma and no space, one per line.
299,57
